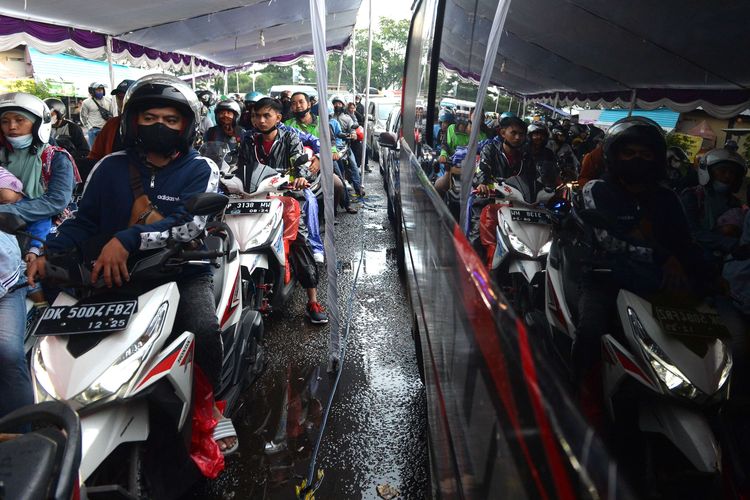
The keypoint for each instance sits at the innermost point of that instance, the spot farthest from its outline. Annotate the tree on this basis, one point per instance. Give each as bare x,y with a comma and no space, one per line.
39,89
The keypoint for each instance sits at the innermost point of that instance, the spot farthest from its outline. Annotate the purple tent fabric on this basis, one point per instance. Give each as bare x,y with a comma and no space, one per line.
51,33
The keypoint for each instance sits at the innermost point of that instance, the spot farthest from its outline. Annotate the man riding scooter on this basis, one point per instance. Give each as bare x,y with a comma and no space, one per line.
134,200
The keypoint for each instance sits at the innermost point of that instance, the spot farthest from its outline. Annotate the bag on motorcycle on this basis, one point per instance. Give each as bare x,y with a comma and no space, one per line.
143,211
487,224
203,449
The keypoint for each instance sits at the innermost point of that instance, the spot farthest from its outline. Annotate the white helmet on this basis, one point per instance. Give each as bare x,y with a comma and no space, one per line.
21,101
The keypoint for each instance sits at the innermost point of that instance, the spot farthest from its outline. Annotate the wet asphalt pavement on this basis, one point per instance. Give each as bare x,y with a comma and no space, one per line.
376,432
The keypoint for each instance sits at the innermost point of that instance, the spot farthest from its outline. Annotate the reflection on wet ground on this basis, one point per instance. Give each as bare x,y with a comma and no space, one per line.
376,432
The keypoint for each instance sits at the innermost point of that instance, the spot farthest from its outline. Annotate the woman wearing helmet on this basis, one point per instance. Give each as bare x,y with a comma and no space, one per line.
647,244
66,134
706,204
134,200
48,177
96,110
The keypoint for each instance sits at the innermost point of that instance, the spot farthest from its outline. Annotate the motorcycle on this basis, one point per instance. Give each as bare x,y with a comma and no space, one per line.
666,368
256,219
112,356
41,463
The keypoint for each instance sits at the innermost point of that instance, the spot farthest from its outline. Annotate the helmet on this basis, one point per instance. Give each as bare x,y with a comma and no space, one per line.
253,97
558,131
677,153
21,101
731,145
230,105
122,87
638,129
336,98
159,91
507,114
446,115
56,105
724,156
207,98
95,85
537,127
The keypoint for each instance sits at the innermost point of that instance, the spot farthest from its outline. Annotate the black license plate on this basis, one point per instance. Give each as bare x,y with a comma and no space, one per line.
690,323
88,318
530,216
249,207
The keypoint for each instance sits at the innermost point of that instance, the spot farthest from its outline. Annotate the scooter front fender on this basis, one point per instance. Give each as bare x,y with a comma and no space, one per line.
527,268
687,430
109,427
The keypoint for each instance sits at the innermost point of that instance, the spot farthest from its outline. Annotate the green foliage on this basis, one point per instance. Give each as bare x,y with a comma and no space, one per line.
745,147
39,89
678,140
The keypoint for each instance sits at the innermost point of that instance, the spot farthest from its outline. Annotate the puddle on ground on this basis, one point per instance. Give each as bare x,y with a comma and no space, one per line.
375,262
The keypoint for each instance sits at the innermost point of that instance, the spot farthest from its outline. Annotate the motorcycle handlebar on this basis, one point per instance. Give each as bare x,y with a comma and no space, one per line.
201,254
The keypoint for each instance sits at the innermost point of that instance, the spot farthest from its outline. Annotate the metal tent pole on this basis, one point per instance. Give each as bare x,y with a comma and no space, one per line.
341,70
632,103
510,104
226,81
557,99
111,68
192,70
467,168
354,62
367,95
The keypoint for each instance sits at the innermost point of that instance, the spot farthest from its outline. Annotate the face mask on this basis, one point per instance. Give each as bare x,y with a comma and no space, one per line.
337,110
721,187
300,114
635,171
98,94
266,131
21,142
159,138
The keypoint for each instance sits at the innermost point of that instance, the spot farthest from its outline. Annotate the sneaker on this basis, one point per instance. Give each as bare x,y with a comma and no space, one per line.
318,258
316,314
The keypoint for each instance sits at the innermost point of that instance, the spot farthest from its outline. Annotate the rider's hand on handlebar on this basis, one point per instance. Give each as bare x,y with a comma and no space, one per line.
442,159
112,264
36,269
353,135
336,156
674,275
314,165
483,190
300,183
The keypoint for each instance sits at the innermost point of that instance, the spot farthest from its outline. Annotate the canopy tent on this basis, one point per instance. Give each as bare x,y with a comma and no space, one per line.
220,34
586,52
666,118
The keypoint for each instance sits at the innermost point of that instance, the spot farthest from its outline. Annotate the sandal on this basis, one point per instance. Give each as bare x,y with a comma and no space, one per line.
351,210
225,429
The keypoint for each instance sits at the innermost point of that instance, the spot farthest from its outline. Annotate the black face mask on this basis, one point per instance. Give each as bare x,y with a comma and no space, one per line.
636,171
337,110
300,114
158,138
266,131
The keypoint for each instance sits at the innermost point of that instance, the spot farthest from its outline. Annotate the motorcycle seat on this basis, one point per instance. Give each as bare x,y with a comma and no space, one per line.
216,243
31,460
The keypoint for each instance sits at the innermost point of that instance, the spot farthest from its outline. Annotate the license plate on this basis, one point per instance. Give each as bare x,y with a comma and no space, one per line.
249,207
690,323
530,216
88,318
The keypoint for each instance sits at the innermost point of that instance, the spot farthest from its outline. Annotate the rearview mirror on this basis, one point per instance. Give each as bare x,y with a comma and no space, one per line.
301,160
206,203
370,118
387,140
11,223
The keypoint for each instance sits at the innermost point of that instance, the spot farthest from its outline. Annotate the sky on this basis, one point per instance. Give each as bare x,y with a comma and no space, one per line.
395,9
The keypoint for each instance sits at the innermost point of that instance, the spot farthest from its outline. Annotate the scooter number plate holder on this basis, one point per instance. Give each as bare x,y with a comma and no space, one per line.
689,323
530,216
86,318
249,207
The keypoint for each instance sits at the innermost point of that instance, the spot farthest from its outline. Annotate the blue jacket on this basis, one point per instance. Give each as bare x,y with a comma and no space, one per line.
11,265
107,201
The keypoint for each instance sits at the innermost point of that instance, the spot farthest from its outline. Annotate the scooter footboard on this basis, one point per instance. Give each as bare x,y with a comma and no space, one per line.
686,429
106,429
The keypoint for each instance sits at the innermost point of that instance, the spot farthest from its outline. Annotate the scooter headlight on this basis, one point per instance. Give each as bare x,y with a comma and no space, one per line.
545,249
518,245
669,375
122,370
43,388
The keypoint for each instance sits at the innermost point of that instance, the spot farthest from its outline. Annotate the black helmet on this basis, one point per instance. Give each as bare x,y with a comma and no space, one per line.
207,98
56,105
230,105
731,145
723,156
677,153
153,91
635,129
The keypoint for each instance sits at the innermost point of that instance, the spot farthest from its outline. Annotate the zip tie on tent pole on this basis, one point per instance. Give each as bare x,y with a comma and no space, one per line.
306,490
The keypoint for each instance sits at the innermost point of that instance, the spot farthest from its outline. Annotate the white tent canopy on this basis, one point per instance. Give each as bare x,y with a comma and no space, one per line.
220,34
682,54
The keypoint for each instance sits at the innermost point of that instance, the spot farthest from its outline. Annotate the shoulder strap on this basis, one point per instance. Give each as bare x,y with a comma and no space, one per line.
136,183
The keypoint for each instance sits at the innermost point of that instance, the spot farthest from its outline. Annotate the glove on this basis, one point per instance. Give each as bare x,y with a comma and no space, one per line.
233,185
741,252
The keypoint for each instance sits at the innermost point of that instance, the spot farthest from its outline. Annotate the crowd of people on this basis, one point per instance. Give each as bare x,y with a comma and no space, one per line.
137,154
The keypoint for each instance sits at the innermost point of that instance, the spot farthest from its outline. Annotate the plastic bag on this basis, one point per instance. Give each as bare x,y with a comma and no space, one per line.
203,449
291,217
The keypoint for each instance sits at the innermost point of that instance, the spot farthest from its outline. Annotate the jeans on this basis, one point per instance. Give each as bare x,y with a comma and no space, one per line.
15,381
310,208
196,313
354,173
92,133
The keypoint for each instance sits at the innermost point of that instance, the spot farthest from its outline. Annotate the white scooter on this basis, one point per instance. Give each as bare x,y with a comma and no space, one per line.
666,370
112,356
524,236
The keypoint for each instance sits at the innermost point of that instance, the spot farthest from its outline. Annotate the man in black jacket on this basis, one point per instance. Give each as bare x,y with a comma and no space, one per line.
66,134
280,149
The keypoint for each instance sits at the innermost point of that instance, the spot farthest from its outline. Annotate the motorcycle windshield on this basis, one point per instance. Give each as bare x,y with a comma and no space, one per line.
216,151
260,173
